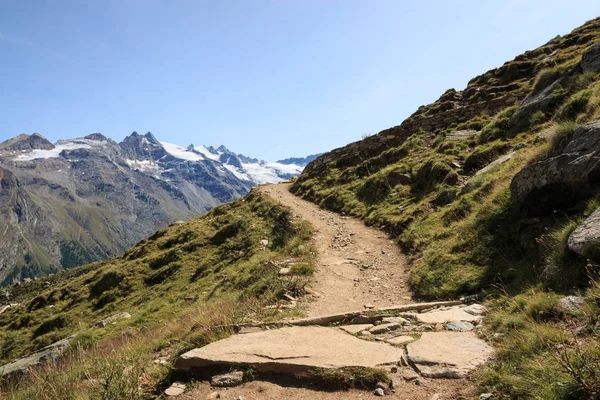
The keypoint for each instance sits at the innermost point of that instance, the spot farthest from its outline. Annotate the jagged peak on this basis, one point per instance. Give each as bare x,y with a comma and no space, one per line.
27,142
96,136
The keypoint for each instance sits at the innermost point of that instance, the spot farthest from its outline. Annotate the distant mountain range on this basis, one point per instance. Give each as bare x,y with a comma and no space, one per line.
86,199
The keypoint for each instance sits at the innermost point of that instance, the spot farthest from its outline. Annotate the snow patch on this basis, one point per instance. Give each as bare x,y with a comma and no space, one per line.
55,152
181,152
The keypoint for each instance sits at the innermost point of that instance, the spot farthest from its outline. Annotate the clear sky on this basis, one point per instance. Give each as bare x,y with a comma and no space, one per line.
268,78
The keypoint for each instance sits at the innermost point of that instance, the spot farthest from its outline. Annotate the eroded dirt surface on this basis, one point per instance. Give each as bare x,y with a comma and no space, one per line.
357,265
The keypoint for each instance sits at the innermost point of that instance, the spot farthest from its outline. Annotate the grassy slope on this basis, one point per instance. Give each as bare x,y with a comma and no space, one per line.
463,235
211,270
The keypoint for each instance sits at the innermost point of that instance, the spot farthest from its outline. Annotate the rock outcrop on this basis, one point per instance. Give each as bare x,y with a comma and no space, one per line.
586,236
570,168
47,354
591,58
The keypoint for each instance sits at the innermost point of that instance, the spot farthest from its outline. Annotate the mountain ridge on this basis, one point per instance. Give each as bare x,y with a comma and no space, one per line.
85,199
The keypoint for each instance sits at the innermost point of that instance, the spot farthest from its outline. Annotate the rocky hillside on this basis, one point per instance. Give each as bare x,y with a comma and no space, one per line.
493,190
87,199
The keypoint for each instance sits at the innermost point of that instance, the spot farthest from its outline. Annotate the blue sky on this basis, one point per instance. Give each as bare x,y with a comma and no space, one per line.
269,78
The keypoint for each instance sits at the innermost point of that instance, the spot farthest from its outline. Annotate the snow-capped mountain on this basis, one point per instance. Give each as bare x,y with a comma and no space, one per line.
86,199
243,167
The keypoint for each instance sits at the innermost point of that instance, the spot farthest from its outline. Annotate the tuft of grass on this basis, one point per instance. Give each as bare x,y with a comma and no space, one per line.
575,105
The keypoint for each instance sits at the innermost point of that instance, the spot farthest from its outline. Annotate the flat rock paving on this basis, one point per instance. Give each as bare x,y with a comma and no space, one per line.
293,350
448,354
451,315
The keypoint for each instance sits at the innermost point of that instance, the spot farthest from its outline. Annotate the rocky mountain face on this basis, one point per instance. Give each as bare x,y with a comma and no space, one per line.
86,199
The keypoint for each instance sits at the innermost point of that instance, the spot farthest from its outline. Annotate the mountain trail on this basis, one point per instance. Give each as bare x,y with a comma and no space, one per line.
428,352
357,266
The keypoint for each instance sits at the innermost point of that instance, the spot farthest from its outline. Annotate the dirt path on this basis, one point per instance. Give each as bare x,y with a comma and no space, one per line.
357,265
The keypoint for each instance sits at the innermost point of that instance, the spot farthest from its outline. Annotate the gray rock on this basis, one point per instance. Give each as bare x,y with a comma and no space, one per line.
573,165
586,235
47,354
541,100
485,396
591,58
381,385
176,389
230,379
113,318
460,326
379,392
571,303
475,309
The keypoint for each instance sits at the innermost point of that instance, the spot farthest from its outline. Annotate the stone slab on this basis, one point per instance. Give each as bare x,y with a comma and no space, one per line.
354,329
441,317
292,350
400,340
448,354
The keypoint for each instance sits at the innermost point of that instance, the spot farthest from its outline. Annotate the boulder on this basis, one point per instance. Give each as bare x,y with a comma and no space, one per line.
586,235
540,100
591,58
448,354
571,303
231,379
570,168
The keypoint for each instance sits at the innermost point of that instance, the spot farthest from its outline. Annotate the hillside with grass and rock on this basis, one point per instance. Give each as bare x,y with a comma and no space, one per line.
493,190
455,256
